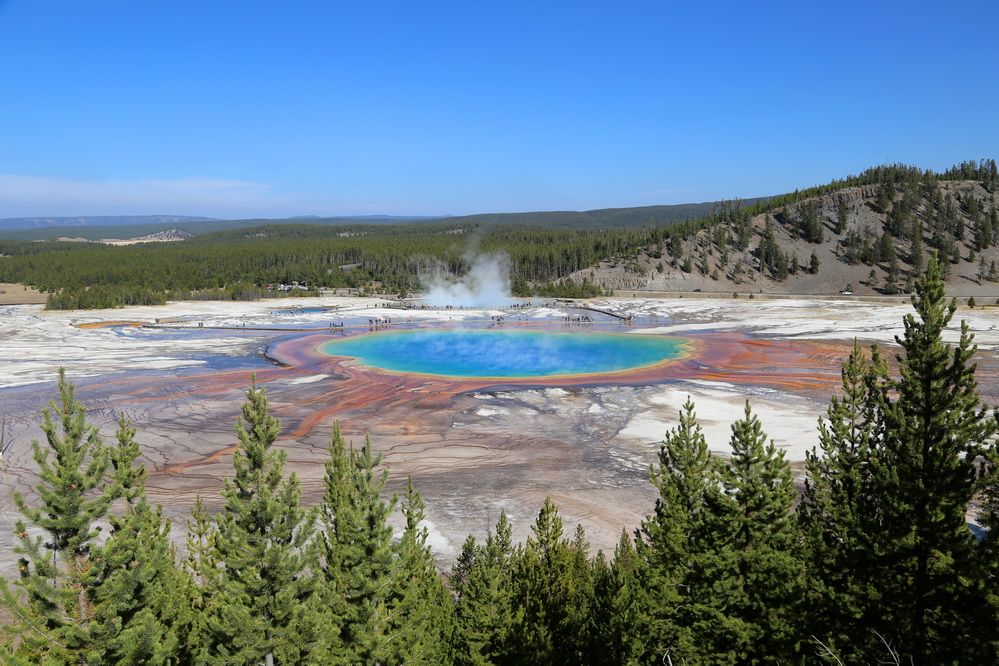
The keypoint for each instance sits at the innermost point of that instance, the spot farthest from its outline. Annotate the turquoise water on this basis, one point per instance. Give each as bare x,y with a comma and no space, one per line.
505,353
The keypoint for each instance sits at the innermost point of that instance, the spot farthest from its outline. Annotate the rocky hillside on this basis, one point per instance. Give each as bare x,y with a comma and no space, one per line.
870,238
163,236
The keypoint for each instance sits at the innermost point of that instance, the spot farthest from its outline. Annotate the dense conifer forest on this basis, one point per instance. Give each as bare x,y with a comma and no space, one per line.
241,264
912,212
873,563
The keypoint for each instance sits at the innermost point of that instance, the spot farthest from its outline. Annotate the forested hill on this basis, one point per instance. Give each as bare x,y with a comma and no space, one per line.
870,234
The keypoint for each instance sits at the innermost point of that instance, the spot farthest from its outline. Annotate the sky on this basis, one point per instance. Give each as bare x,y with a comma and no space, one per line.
274,109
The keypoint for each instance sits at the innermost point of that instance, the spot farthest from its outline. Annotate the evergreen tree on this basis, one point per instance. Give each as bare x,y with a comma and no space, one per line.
138,607
462,565
813,263
421,615
916,248
988,517
759,593
579,613
834,513
771,257
885,197
484,610
673,544
199,581
551,595
51,609
983,234
925,476
743,232
841,215
810,224
355,559
891,277
619,608
259,548
955,253
886,248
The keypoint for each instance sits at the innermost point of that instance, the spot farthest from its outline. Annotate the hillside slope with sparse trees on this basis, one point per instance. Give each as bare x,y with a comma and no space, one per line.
869,234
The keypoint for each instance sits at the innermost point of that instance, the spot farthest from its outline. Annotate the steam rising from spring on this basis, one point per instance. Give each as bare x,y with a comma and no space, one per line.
487,283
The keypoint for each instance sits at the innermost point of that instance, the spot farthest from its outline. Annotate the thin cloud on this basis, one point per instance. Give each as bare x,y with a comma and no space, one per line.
30,196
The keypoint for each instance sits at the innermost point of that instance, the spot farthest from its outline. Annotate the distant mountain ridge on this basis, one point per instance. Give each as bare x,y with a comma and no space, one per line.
15,223
97,227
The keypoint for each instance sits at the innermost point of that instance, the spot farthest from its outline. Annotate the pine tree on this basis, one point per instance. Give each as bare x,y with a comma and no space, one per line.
578,616
259,547
841,215
891,277
759,598
619,607
983,234
328,553
462,565
552,594
51,609
138,607
916,248
884,199
356,557
484,610
988,517
420,611
834,513
809,222
886,247
200,579
538,595
674,547
925,477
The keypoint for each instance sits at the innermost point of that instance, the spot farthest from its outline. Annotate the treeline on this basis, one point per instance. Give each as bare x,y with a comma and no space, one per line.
896,174
876,564
241,264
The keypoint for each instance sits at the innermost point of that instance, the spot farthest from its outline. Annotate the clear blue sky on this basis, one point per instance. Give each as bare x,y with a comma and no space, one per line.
244,108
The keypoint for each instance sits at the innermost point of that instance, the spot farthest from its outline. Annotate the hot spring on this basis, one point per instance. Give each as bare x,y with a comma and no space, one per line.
509,353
